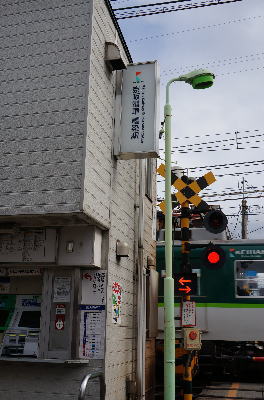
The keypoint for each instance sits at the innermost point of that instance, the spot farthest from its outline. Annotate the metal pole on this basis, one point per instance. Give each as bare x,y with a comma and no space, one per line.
169,327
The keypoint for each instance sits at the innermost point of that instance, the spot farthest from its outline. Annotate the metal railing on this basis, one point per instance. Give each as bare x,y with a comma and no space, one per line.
86,379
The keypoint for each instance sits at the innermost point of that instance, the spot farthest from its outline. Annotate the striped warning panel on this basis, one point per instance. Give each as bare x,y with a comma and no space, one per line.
188,191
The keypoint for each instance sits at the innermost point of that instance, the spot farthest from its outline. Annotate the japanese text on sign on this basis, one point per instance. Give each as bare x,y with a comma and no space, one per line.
93,287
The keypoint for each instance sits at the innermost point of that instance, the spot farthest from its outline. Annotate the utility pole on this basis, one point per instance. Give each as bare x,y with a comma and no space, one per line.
244,209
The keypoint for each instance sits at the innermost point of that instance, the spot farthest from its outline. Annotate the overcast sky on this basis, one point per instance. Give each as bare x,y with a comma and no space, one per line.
228,40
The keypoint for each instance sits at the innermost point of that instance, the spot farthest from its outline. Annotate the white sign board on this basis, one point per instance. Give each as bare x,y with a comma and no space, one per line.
188,313
93,287
140,111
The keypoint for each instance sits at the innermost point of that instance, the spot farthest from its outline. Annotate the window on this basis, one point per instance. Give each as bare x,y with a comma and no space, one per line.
249,278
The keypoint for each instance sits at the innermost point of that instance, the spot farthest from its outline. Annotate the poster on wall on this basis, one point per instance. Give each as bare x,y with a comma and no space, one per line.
116,302
62,289
92,332
93,287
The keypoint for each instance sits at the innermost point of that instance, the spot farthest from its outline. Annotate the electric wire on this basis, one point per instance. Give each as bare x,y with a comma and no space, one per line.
255,230
163,35
236,165
215,63
236,222
124,13
215,134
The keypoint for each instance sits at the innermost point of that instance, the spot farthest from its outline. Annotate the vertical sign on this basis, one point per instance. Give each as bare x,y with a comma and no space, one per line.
116,302
92,332
92,329
140,111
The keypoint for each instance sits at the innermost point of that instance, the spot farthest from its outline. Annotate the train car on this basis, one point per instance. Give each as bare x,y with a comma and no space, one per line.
229,303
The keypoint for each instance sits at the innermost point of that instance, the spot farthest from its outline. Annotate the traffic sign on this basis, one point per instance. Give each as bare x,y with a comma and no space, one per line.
185,284
188,192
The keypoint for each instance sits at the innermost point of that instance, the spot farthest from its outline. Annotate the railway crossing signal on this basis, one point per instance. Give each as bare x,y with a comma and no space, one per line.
188,191
185,284
214,256
215,221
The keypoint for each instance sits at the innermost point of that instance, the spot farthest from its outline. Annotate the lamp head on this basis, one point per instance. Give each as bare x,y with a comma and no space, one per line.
199,79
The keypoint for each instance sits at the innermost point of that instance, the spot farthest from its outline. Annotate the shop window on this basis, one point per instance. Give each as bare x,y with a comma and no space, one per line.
249,278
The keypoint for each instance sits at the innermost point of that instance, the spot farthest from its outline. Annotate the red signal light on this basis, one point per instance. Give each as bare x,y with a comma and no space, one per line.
213,257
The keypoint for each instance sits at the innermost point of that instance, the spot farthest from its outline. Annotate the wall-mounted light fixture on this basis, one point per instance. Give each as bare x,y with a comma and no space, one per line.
122,249
113,57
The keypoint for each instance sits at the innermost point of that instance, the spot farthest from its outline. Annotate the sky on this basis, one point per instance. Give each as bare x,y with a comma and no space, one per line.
228,117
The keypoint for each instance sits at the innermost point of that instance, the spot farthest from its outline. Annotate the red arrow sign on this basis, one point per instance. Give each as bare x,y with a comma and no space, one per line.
187,289
183,281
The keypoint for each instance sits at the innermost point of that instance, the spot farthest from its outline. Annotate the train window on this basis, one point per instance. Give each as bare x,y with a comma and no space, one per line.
249,278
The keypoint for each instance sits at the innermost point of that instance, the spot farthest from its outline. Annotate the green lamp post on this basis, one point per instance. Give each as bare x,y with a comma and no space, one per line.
199,79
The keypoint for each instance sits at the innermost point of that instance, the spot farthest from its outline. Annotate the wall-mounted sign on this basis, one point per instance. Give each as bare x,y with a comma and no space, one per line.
116,302
92,332
140,112
93,287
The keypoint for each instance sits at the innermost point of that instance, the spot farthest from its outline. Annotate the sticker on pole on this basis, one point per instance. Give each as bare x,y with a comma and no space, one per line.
188,313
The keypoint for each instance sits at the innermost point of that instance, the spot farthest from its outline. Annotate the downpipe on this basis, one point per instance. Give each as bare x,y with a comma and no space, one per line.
141,295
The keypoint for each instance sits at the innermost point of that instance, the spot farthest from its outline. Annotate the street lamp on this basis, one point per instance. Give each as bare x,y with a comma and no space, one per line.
199,79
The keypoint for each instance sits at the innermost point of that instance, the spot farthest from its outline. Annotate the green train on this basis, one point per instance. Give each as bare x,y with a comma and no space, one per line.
229,302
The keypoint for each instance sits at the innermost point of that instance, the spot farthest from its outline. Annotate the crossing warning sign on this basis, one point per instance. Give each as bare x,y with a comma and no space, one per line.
188,191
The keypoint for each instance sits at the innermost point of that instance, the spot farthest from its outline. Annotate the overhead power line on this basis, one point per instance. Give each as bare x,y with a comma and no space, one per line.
236,165
258,229
164,7
198,28
237,142
221,63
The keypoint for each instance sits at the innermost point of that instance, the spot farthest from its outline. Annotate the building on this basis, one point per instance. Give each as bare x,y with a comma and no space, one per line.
76,224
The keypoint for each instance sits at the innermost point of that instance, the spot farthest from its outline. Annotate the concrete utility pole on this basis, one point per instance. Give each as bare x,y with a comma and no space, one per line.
244,209
244,219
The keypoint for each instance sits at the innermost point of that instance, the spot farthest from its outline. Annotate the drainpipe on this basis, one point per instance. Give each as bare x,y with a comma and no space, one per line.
141,295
